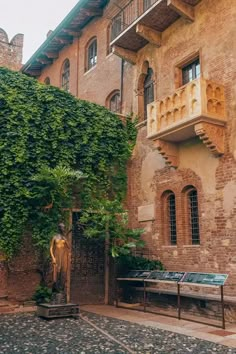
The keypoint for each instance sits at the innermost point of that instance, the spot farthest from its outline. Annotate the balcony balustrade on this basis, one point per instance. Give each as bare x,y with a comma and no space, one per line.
141,21
198,108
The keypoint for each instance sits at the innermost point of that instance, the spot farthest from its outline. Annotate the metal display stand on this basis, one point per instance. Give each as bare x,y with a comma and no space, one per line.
177,278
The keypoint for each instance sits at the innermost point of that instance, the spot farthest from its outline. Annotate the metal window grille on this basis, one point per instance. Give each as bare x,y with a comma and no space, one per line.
172,219
65,81
148,90
92,54
115,102
191,71
194,218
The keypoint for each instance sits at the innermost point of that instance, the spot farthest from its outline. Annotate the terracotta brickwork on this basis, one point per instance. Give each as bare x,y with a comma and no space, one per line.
214,178
11,51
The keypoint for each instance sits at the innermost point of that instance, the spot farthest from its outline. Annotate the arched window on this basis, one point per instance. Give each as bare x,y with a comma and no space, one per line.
47,81
148,90
191,215
91,53
169,218
65,75
114,102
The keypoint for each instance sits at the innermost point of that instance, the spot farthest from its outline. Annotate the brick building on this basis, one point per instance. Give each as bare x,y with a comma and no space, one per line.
11,51
177,73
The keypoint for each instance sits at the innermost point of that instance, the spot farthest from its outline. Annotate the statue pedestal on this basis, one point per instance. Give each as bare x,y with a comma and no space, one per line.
49,311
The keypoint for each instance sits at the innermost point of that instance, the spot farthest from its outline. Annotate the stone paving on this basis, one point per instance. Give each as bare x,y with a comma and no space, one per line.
26,333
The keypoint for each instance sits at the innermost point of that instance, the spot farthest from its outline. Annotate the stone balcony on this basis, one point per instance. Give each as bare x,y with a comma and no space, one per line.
141,22
196,109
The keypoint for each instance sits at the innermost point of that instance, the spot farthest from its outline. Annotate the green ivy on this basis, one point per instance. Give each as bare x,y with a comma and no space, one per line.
43,126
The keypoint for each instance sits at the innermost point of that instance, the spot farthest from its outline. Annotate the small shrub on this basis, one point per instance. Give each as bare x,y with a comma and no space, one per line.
42,294
130,262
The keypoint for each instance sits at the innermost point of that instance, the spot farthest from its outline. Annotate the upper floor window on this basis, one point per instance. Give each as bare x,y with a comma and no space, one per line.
117,26
47,81
193,215
65,75
147,4
92,53
114,103
191,71
148,90
109,34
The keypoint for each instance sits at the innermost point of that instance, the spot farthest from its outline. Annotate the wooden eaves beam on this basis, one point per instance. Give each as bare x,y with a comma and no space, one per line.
51,55
183,9
152,36
63,40
44,61
71,32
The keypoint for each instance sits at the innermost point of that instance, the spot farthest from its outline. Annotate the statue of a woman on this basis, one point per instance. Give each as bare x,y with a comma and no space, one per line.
59,250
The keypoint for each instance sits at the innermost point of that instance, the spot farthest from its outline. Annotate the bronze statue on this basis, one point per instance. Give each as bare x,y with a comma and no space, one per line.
59,250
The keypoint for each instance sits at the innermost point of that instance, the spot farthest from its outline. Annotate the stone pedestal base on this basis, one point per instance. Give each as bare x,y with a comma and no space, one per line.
60,310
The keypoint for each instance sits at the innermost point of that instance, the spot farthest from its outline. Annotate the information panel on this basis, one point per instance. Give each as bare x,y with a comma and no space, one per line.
138,274
166,276
205,278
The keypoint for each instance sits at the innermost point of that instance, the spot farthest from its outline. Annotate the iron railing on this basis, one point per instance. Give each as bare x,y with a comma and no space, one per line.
133,10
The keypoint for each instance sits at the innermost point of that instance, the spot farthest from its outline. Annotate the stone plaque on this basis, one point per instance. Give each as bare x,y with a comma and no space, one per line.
205,278
146,213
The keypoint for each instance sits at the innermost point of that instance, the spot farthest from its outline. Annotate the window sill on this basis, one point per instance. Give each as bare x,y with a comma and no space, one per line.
141,124
169,246
91,69
190,246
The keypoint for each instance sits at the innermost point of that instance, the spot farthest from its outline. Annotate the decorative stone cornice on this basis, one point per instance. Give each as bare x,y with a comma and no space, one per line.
212,135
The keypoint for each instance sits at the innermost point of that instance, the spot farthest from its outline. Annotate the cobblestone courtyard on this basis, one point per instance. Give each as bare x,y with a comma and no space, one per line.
93,334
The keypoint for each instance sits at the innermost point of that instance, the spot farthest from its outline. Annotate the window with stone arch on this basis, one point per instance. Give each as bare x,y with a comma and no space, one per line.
191,215
47,81
145,89
169,218
91,54
113,101
65,75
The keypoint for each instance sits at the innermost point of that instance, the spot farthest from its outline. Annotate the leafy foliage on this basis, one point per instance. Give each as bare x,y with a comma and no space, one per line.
131,262
43,131
42,294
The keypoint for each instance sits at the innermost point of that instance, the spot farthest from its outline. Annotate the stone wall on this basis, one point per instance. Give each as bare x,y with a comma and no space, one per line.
11,51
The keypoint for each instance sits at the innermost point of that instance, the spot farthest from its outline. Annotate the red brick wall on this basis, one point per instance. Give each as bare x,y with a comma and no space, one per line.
215,178
11,51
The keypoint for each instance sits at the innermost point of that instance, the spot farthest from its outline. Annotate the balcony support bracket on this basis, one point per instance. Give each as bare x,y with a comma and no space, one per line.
152,36
183,9
169,151
212,135
125,54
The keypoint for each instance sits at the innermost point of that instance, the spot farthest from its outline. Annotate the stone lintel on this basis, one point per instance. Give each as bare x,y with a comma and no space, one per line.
125,54
212,135
169,151
183,9
152,36
146,213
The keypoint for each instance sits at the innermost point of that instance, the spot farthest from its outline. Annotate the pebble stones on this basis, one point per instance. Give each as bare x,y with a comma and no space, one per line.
26,333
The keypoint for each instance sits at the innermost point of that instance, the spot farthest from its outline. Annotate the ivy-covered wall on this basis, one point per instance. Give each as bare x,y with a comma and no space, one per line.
44,126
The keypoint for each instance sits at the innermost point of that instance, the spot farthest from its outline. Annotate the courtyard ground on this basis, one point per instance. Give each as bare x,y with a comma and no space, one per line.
94,333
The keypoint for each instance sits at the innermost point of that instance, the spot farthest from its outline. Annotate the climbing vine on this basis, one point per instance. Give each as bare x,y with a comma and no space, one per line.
44,127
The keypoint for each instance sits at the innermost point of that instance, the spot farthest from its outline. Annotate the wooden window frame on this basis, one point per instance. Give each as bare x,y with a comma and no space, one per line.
65,75
169,219
91,54
179,66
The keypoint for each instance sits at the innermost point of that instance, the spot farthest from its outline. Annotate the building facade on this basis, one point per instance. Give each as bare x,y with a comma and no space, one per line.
173,64
11,51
